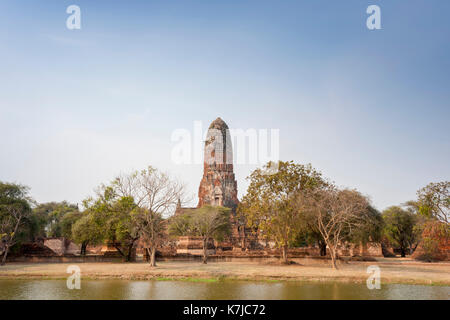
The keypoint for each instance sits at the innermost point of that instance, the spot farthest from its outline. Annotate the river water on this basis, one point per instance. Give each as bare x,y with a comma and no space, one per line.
125,289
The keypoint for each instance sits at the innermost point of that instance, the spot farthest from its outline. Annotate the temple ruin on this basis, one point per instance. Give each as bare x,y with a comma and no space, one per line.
218,187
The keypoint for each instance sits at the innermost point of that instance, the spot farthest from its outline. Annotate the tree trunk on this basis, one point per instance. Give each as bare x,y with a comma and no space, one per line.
5,254
402,251
244,240
130,250
124,257
205,248
7,245
323,249
333,258
83,249
153,257
285,253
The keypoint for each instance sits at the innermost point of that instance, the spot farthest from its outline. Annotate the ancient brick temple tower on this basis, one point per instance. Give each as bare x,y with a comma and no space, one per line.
218,186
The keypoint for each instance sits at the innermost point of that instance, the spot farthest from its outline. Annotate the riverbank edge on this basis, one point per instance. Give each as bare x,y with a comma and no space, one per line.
219,278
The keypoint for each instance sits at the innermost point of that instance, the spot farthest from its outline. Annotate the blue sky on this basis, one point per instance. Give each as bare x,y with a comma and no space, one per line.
369,109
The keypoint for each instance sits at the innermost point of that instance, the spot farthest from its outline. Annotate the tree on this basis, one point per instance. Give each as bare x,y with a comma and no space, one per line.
435,238
337,214
211,222
51,215
370,230
113,213
67,222
120,230
132,207
180,225
370,227
207,222
155,194
310,234
15,208
269,206
38,221
400,228
86,231
434,201
151,227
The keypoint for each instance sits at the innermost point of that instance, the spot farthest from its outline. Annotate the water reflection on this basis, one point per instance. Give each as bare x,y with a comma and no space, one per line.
160,290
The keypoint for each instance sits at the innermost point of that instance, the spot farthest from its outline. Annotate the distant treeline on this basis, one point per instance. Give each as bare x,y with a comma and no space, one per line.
292,206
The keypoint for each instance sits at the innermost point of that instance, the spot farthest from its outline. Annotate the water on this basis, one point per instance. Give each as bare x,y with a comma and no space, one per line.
124,289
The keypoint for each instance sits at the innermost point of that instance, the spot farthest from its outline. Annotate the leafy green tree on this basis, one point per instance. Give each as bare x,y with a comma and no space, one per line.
309,234
50,216
400,227
37,222
67,222
113,213
370,228
269,204
15,209
179,225
87,230
207,222
434,201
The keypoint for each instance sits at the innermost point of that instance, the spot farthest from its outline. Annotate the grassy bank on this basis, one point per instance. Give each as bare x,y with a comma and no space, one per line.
402,271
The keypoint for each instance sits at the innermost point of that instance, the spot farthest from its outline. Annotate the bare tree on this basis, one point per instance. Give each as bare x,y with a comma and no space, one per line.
335,213
156,194
151,227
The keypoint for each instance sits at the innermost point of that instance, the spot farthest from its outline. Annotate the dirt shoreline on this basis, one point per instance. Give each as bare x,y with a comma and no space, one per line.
399,271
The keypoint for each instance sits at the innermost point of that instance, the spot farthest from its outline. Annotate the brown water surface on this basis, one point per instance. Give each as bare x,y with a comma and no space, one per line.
153,289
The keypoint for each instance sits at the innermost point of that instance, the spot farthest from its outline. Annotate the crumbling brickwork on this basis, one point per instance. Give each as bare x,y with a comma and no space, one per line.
218,186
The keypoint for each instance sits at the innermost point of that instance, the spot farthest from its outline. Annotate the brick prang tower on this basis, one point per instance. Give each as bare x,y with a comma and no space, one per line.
218,186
